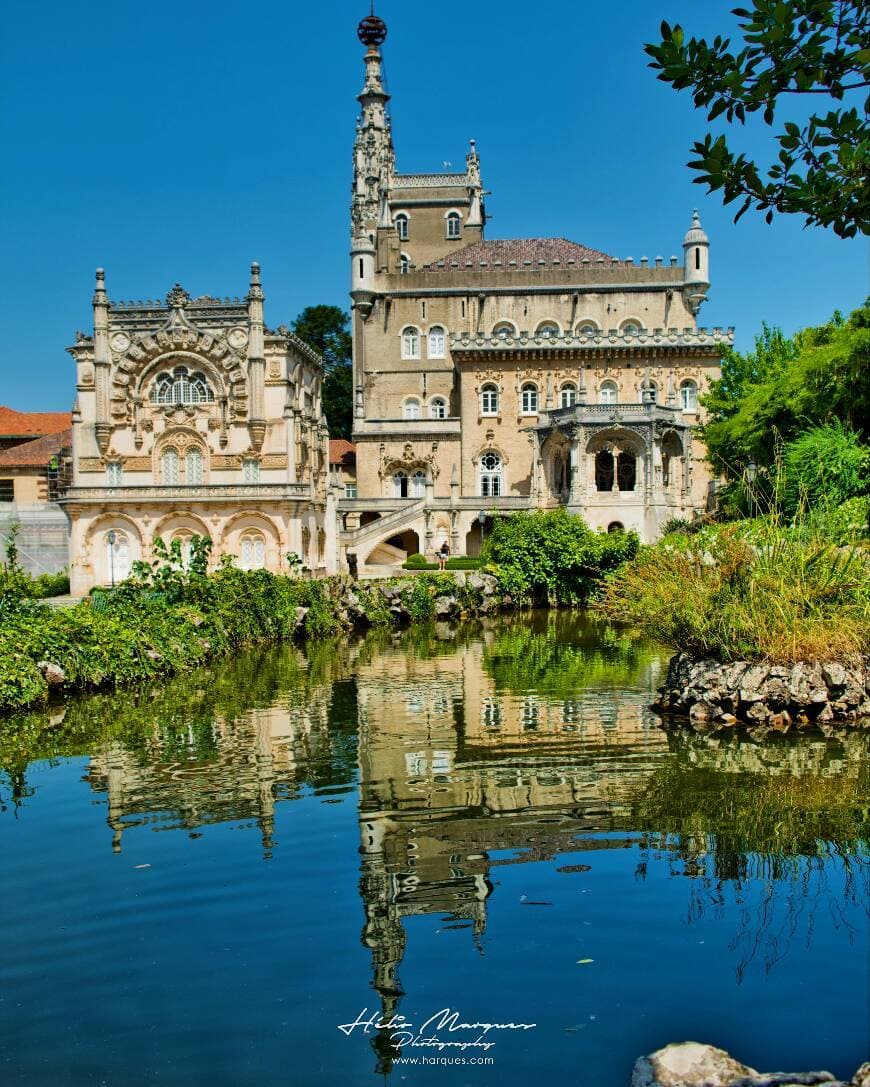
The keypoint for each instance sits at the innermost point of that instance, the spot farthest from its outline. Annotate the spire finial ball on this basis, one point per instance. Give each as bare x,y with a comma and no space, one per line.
372,31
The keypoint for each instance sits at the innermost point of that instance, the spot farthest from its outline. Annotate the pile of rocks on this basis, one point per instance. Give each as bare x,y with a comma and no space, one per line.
475,593
766,697
690,1064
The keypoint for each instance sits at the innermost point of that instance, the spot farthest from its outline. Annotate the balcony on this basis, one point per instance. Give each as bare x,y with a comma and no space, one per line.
215,492
593,342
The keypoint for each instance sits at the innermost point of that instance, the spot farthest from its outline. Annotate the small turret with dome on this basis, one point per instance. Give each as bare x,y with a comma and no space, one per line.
696,263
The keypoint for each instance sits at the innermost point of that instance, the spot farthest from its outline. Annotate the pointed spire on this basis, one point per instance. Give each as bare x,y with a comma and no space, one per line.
100,296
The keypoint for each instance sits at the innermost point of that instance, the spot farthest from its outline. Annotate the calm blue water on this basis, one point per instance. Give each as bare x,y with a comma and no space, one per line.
202,883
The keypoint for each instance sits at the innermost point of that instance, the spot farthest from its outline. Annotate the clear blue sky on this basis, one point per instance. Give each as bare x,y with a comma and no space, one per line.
180,141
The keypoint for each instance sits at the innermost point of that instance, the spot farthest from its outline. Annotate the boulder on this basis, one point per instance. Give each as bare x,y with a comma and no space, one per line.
689,1064
834,674
445,606
53,674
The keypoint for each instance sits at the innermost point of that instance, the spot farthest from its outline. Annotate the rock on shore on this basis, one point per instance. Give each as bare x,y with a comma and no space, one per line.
766,697
692,1064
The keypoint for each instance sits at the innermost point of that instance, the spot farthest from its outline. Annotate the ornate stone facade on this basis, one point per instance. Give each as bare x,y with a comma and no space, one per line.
192,418
511,374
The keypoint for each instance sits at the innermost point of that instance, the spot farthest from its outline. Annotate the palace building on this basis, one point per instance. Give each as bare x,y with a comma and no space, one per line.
501,375
193,418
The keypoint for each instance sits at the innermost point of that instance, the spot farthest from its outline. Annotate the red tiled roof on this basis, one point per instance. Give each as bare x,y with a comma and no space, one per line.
26,423
341,451
38,453
518,251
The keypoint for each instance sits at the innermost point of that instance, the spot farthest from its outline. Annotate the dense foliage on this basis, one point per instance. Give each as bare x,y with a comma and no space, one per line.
825,466
805,48
757,590
326,329
550,556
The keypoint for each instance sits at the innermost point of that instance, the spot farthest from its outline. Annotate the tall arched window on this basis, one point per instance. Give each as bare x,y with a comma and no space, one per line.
169,466
401,222
252,551
250,470
454,225
568,395
181,386
653,387
438,408
117,555
437,342
400,484
410,343
418,484
489,400
547,330
608,393
404,264
490,475
193,467
529,398
689,395
114,473
411,409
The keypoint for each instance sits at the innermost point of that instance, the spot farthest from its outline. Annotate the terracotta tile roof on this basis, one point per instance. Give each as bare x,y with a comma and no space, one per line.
519,250
38,453
341,451
32,423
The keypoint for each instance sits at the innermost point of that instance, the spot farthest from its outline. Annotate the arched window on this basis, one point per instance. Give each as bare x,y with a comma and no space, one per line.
653,387
437,342
250,470
548,329
529,398
626,471
454,225
504,330
193,467
689,395
418,484
410,343
400,484
181,387
411,409
252,551
114,474
438,408
489,400
605,470
490,475
608,393
401,222
568,395
169,466
587,328
630,328
404,264
117,546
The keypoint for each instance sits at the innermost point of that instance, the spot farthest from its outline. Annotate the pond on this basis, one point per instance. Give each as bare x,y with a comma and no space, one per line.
292,868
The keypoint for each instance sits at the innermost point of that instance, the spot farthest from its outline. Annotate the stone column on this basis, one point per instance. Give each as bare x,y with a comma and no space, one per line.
256,361
102,362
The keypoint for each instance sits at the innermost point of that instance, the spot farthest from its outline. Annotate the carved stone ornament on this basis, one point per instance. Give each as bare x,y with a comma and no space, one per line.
237,337
177,297
120,342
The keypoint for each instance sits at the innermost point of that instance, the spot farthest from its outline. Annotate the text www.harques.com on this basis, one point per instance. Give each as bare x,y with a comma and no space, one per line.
444,1060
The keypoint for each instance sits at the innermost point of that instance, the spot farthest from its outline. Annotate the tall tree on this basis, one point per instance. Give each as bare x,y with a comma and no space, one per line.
326,329
806,48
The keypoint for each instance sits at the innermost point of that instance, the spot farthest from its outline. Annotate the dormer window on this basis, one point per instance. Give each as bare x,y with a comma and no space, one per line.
401,222
454,225
181,386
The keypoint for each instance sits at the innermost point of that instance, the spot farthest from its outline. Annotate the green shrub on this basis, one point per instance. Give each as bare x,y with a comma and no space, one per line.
552,556
847,523
464,563
49,585
416,562
681,526
823,467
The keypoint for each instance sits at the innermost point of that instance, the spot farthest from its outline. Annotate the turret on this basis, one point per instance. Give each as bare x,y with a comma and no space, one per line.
696,263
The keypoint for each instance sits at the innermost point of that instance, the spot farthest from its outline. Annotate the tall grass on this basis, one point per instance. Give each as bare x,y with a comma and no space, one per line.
760,590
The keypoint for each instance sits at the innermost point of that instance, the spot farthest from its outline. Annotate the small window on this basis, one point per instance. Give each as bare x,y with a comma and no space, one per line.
698,259
490,475
411,409
630,328
193,467
350,490
114,473
252,551
586,328
410,343
529,399
548,330
404,264
608,393
503,331
438,408
689,396
402,226
251,470
489,400
169,466
454,225
568,396
7,490
437,342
